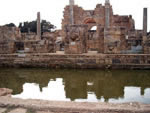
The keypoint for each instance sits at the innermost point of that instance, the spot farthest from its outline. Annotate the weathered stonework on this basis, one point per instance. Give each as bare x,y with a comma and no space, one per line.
38,25
7,39
83,61
75,40
5,92
95,32
43,106
114,40
111,29
145,21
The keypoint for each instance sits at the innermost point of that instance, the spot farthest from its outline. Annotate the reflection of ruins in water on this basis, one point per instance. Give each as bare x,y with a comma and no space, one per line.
78,85
55,91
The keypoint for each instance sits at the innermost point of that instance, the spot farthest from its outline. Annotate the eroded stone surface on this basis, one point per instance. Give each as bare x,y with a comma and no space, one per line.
2,110
18,110
72,107
44,112
5,92
112,34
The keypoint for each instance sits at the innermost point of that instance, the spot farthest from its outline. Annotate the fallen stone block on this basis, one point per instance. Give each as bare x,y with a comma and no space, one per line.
5,92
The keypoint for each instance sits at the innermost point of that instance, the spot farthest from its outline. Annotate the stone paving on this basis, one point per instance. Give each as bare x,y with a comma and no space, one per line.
21,110
2,110
12,105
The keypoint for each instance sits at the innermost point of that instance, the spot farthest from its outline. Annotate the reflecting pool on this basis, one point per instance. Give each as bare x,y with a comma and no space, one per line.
78,85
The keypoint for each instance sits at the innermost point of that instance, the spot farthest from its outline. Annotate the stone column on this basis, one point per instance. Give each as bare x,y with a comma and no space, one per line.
145,21
38,25
71,3
107,24
107,13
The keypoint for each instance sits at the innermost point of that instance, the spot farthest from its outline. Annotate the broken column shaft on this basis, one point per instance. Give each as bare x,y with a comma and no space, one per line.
145,21
38,25
71,3
107,14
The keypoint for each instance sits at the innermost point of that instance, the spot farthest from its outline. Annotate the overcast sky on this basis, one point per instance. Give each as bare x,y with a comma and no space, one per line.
52,10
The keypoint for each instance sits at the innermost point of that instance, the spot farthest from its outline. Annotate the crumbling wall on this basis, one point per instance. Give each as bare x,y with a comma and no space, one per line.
36,46
29,43
8,36
97,17
95,40
45,45
114,40
75,39
81,16
123,21
146,44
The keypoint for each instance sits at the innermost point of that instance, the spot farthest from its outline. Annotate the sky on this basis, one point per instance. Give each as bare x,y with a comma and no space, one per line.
16,11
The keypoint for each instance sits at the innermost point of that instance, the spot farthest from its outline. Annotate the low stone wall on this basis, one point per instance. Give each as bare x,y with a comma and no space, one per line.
101,61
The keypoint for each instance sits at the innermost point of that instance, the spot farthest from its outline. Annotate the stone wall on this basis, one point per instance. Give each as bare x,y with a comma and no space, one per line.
114,40
78,37
101,61
146,43
45,45
75,39
123,21
97,17
7,39
13,41
95,40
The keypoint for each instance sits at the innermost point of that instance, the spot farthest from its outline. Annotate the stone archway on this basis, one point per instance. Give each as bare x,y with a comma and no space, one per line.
89,21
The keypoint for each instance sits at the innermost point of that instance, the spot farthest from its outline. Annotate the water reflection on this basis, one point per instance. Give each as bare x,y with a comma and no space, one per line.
54,91
78,85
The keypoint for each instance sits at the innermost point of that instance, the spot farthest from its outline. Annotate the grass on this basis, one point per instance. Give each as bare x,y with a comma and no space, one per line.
30,111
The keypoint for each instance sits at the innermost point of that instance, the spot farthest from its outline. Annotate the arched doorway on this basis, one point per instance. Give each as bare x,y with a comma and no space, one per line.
93,28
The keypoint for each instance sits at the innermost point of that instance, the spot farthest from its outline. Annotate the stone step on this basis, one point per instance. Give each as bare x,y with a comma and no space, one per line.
60,52
92,52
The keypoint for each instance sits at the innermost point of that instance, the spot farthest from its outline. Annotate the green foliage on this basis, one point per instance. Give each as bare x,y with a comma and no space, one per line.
45,26
30,111
9,108
10,25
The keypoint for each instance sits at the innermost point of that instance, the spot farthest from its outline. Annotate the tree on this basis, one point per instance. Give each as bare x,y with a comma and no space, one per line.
10,25
45,26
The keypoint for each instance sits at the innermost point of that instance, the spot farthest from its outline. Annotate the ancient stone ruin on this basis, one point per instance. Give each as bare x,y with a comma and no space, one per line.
83,31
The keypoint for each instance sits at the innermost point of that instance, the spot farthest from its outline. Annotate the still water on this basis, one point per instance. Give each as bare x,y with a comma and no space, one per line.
78,85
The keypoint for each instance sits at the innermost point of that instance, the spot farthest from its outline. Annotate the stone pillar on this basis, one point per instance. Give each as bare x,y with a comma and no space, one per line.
71,3
107,13
38,25
145,21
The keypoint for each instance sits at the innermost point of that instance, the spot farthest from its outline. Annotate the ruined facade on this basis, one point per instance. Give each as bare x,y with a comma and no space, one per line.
113,34
8,35
83,31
